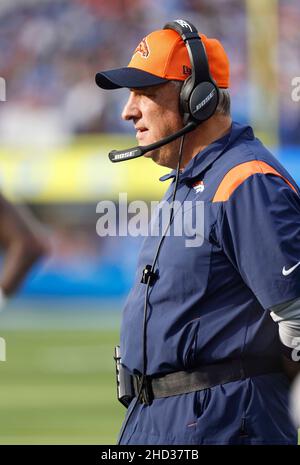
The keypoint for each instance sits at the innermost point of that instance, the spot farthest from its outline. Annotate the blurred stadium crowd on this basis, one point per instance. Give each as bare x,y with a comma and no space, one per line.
50,51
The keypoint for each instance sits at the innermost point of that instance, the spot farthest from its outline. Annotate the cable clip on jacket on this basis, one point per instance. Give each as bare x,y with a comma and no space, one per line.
148,275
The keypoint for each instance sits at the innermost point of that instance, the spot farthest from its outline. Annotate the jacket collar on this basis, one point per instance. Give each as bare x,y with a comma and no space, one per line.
209,155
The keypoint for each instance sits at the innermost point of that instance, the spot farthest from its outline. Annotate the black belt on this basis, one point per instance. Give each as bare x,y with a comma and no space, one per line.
204,377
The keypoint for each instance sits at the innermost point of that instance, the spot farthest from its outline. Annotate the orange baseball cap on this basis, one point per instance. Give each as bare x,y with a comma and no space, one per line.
163,56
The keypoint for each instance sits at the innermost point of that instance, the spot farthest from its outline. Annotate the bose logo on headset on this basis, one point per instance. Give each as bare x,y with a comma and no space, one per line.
122,155
207,99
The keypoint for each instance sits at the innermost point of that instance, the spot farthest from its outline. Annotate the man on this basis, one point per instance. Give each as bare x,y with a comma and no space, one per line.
205,350
23,244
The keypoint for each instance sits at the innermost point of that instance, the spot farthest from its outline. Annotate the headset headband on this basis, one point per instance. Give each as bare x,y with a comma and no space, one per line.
196,50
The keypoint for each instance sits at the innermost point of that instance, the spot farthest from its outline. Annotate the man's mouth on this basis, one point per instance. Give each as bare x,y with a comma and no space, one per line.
140,131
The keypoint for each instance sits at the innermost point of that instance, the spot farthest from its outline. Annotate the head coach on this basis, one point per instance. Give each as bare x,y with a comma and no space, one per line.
208,333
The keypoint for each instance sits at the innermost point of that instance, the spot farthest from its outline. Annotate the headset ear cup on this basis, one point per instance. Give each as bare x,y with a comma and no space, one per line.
184,99
200,103
203,101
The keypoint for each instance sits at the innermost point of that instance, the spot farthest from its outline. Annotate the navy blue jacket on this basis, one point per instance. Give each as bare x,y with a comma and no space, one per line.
211,302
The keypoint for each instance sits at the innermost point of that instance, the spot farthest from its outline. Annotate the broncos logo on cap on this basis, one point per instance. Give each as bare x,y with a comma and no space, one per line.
143,48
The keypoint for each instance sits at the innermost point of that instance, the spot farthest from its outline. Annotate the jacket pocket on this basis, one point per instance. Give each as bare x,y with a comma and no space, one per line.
190,356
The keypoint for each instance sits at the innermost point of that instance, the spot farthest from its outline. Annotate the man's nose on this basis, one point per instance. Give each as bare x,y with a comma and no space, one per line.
131,109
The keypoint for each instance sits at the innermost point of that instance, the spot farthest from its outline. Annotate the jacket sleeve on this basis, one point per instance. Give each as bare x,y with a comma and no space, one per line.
259,231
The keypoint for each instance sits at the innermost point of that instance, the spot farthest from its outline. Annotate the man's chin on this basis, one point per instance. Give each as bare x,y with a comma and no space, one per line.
156,156
153,155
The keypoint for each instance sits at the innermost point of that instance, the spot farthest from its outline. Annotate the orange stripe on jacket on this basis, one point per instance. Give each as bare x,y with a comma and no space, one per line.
239,174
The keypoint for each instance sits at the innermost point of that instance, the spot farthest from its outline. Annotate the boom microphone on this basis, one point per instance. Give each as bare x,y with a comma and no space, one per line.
128,154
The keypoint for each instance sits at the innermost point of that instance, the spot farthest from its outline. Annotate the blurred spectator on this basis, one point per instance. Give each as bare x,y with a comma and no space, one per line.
295,401
289,59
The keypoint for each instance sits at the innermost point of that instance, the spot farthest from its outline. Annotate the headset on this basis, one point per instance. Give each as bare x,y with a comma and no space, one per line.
199,96
198,101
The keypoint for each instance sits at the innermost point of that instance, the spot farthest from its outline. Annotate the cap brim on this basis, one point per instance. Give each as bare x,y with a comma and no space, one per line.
127,77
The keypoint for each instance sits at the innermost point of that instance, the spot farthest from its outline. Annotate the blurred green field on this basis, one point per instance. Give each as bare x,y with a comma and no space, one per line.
58,382
57,387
